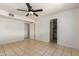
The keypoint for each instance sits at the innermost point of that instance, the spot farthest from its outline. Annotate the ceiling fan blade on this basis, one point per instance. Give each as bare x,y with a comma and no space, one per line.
27,14
35,14
21,10
29,7
39,10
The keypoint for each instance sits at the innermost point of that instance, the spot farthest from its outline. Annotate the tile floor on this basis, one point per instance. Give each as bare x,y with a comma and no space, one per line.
36,48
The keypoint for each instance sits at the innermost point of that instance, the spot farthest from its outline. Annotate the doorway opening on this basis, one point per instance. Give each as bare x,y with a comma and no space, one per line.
53,30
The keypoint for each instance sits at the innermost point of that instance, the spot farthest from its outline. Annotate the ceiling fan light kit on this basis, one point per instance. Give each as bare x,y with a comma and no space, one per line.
30,13
30,10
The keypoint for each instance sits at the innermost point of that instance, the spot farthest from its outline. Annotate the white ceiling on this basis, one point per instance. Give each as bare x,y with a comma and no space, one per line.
48,8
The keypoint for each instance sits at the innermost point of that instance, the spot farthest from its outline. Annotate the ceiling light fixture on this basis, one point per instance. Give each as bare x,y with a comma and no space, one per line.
30,13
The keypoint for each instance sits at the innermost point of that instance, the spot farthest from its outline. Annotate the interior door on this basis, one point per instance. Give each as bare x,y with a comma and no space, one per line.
53,30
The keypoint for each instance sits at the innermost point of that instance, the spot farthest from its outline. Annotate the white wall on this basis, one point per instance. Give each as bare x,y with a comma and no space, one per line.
42,29
11,30
67,28
77,29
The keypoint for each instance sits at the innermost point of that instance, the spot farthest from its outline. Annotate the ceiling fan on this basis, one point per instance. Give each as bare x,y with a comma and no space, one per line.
30,11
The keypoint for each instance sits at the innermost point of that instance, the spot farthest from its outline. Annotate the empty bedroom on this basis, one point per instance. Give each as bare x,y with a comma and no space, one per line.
39,29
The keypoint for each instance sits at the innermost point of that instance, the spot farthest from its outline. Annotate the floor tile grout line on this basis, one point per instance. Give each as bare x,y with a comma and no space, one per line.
14,50
63,50
71,51
55,50
3,50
